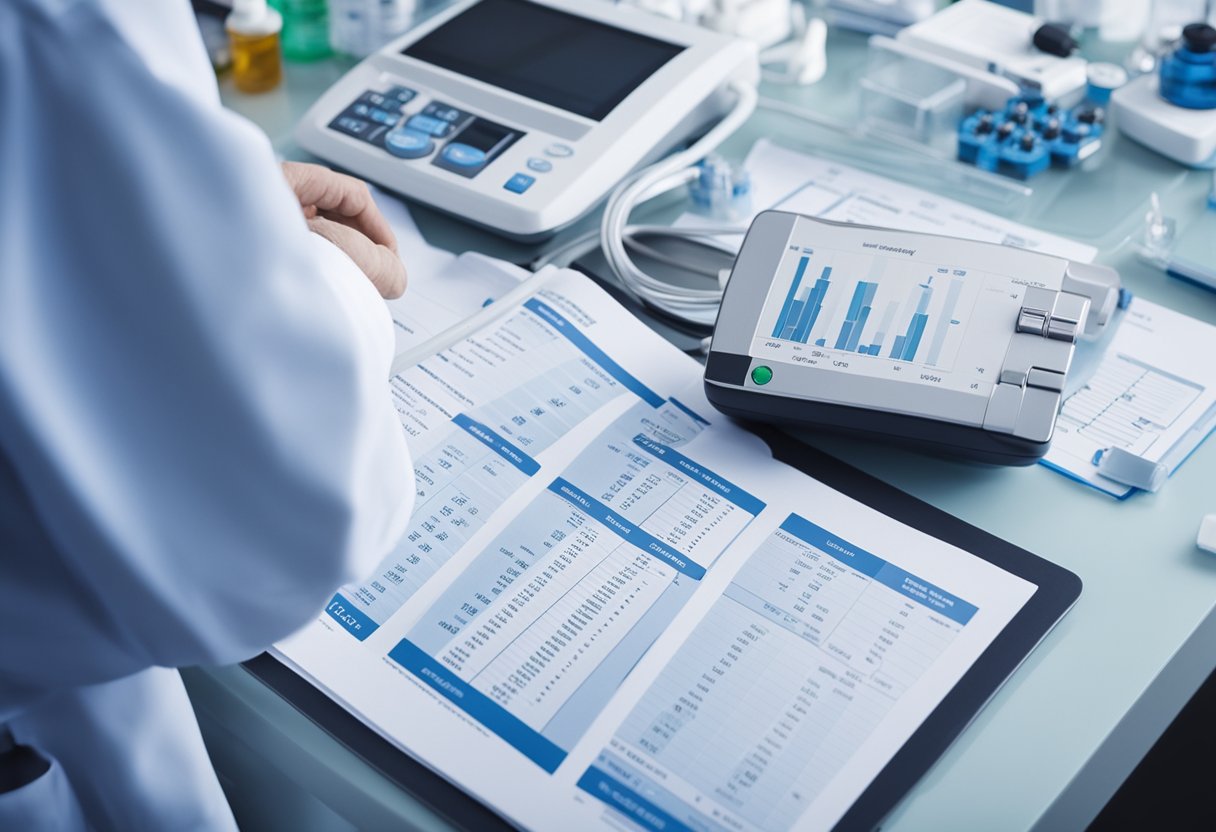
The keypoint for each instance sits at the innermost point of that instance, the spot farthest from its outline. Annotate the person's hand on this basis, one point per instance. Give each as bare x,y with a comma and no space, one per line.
340,208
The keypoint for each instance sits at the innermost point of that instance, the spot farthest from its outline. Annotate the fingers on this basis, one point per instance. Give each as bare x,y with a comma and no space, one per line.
340,198
381,264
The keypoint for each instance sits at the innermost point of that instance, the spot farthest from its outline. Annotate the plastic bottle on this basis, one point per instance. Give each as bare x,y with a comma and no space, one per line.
360,27
305,29
253,30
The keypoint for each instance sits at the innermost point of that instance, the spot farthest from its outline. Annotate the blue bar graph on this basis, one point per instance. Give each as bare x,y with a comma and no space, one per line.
786,308
906,345
916,329
814,302
860,326
881,316
792,319
798,316
855,319
946,321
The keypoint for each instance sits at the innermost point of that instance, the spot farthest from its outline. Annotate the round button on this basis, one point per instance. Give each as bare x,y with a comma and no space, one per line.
559,151
540,165
762,375
408,144
463,155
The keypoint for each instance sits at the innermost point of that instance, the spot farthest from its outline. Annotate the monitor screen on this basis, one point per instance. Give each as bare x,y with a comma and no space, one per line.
569,62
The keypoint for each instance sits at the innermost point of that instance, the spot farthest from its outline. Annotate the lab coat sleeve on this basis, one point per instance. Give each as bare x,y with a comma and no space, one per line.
193,388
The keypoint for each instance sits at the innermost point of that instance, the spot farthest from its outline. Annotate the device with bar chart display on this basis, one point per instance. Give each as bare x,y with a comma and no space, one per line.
957,346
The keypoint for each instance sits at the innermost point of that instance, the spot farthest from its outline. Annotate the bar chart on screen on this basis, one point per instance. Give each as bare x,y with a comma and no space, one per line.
872,305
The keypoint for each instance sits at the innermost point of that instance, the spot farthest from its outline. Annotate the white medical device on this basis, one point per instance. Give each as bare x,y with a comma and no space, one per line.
991,47
522,115
952,346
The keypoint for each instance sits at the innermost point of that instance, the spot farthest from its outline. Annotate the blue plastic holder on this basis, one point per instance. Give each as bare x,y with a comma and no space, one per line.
1188,74
1029,136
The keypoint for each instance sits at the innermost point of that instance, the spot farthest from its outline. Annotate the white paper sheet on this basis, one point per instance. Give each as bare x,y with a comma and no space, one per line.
591,542
789,180
1153,394
443,288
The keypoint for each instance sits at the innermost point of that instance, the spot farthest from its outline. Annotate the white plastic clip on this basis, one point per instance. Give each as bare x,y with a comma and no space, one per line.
1127,468
1206,539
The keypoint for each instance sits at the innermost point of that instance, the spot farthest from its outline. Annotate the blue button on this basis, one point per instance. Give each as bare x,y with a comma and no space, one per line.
401,94
351,126
385,117
362,110
408,144
540,165
463,155
519,183
440,111
426,124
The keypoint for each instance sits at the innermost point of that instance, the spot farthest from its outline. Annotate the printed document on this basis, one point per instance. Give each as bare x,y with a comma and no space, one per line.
444,288
1153,394
613,609
788,180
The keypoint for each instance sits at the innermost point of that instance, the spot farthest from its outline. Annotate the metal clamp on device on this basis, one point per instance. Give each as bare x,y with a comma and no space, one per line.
1026,397
952,346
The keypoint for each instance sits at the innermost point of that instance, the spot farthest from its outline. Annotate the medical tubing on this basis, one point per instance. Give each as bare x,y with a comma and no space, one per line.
582,245
675,170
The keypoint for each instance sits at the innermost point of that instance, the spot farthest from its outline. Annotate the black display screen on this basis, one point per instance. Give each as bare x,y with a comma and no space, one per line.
568,62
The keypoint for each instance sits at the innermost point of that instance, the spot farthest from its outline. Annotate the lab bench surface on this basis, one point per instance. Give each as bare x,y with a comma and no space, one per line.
1058,739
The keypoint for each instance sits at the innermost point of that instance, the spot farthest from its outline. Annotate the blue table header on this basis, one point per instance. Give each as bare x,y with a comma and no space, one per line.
887,574
626,530
496,443
575,336
749,503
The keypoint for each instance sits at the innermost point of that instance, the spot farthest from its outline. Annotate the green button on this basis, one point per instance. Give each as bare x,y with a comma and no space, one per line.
762,375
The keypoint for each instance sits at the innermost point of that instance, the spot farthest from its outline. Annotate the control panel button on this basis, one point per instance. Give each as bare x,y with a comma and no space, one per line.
519,183
540,165
762,375
375,99
385,117
402,95
408,144
462,155
351,126
443,112
559,151
429,124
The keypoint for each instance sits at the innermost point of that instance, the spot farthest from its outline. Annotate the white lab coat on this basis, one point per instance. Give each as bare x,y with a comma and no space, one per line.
197,443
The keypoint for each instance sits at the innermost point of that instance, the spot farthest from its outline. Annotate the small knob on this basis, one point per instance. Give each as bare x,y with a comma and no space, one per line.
1091,115
1199,37
1054,39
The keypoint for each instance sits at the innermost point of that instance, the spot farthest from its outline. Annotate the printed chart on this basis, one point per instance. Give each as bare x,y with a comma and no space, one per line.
1127,404
793,668
538,631
540,377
